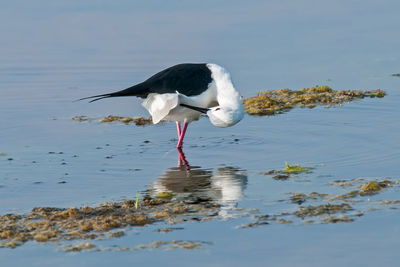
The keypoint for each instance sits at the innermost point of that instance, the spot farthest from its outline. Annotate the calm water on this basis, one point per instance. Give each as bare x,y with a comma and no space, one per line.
53,53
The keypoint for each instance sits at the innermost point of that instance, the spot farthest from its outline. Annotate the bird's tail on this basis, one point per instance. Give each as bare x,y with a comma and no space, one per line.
137,90
96,97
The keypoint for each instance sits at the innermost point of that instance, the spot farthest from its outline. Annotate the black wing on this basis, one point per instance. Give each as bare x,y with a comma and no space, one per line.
188,79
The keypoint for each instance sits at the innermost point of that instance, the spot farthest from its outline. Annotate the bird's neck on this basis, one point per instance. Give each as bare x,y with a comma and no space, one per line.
227,96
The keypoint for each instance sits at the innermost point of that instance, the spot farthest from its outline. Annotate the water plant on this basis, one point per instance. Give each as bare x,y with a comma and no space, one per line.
137,200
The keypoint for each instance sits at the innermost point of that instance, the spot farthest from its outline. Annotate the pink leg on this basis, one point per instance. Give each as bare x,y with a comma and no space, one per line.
178,128
185,125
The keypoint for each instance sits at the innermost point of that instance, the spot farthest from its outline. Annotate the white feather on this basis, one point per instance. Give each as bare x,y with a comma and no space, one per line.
159,105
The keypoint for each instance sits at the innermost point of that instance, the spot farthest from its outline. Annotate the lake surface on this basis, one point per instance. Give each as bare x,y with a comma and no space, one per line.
54,53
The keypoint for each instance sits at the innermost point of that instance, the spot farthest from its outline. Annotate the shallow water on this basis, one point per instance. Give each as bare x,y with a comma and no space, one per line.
56,53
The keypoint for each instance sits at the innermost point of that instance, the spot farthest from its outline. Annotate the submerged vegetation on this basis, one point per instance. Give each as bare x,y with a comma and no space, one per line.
113,219
159,244
139,121
288,171
296,169
273,102
108,220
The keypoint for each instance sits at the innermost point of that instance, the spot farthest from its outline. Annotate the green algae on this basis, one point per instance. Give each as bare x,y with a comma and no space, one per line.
370,188
296,169
373,187
288,171
164,195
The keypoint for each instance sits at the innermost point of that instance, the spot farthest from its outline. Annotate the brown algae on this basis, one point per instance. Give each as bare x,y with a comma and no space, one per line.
45,224
114,219
174,244
139,121
81,118
338,219
330,208
300,198
82,246
325,209
273,102
373,187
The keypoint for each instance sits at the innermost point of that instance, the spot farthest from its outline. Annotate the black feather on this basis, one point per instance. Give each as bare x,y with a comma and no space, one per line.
188,79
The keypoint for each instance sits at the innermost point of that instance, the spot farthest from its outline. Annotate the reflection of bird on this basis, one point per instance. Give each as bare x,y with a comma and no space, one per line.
183,92
223,185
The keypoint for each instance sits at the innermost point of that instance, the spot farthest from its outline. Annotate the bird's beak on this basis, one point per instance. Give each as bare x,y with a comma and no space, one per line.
202,110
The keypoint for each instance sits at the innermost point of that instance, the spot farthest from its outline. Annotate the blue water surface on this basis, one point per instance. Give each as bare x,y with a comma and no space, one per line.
54,52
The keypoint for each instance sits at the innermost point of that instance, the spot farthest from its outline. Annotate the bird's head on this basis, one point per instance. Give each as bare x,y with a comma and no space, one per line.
224,116
221,116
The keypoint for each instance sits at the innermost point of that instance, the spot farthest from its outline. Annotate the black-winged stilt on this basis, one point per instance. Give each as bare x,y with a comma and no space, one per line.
183,92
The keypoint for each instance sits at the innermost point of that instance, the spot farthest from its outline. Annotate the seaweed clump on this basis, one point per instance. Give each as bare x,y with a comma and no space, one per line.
288,171
174,244
373,187
300,198
273,102
139,121
46,224
81,118
328,209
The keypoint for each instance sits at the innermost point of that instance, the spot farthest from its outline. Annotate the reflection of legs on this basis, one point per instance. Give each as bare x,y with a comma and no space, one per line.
182,159
178,130
182,134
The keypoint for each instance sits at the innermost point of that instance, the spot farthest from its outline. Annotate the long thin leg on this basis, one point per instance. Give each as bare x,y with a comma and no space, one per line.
185,125
178,128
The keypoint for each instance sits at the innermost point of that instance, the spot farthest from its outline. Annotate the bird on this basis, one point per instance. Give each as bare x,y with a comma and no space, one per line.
184,92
